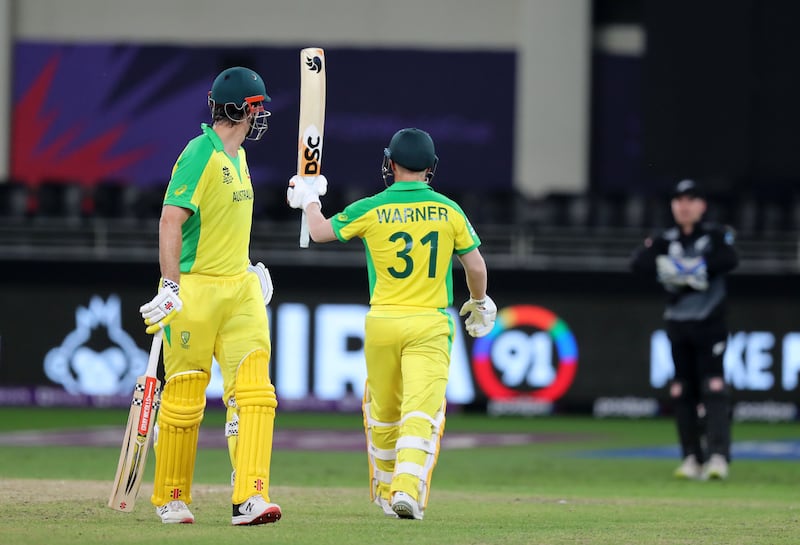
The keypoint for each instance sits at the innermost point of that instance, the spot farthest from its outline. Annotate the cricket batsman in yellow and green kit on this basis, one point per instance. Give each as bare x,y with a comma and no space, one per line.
410,233
212,302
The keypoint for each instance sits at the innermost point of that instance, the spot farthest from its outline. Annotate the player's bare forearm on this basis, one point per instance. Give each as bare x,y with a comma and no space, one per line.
476,274
319,227
170,240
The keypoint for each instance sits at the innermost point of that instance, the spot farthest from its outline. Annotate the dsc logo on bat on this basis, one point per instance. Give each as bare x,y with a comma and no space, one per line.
312,151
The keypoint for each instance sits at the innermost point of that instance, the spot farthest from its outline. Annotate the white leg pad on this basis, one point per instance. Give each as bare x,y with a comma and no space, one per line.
430,446
374,453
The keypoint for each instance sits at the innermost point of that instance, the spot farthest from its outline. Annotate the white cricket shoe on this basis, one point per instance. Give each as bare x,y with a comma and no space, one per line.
255,510
175,512
405,506
384,504
689,469
716,468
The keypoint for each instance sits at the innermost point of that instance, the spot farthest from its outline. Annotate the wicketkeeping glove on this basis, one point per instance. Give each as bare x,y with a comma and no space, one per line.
302,191
682,271
667,271
264,279
159,312
482,314
695,271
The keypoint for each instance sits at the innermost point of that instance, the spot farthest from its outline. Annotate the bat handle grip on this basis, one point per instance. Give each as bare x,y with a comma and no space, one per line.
155,352
304,234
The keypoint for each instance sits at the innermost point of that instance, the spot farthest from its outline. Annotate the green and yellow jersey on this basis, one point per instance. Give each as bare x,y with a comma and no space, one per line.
410,233
218,190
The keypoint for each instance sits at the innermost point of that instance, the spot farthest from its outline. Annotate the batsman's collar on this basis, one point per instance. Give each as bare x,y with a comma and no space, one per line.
409,186
213,136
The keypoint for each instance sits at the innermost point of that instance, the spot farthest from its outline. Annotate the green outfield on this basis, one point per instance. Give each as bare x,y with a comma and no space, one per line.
564,487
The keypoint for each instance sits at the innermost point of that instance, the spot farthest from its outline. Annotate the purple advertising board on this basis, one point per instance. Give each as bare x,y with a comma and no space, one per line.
91,113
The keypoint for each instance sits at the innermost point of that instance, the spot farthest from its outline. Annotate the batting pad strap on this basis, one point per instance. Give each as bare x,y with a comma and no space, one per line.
427,445
381,453
435,421
410,468
232,431
232,426
371,422
383,476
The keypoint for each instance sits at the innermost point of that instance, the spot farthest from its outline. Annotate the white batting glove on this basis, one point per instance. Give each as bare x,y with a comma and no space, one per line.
159,312
302,191
482,314
264,279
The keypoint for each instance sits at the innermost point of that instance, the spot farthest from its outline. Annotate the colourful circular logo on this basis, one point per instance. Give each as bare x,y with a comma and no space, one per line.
538,317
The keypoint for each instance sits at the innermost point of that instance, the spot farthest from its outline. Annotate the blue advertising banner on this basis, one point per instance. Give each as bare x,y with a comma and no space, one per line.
90,113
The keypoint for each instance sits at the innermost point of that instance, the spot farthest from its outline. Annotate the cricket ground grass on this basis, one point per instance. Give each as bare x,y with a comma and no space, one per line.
547,480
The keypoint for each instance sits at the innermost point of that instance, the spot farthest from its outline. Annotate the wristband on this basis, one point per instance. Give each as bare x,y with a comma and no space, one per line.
173,286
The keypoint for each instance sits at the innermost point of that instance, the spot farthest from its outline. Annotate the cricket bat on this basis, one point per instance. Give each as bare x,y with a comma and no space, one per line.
136,443
312,121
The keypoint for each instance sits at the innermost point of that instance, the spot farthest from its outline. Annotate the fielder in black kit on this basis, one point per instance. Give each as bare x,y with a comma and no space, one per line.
691,260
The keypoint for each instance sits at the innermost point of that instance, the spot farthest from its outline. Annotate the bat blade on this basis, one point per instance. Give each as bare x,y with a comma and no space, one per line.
311,127
138,434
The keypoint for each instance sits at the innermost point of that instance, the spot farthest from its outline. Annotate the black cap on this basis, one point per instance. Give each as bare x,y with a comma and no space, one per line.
688,188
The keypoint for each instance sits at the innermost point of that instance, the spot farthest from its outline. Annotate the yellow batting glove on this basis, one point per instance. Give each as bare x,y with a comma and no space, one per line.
161,324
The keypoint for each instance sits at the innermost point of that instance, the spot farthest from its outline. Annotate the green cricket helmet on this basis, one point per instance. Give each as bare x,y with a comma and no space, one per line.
240,94
412,149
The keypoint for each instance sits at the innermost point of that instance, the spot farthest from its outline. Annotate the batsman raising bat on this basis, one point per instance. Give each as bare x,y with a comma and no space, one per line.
212,302
411,233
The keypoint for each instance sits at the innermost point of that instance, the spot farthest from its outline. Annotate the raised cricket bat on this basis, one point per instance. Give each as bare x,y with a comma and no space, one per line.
136,443
312,121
